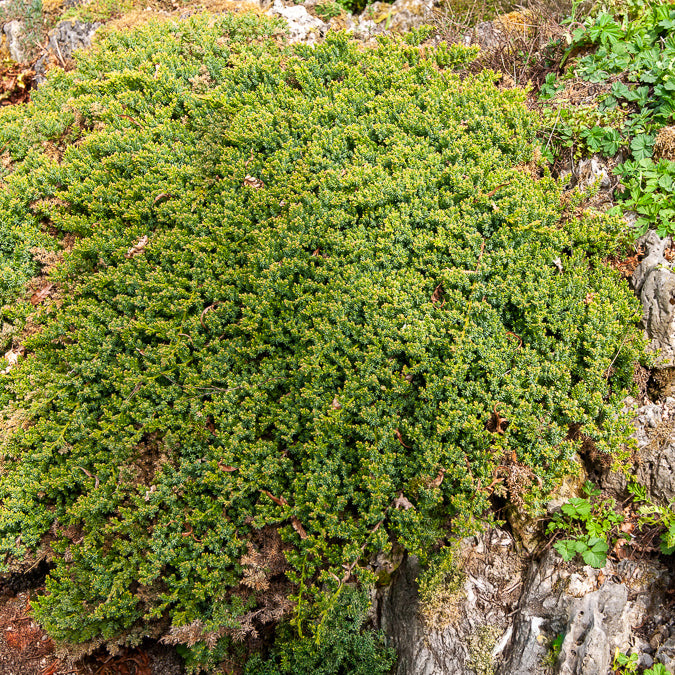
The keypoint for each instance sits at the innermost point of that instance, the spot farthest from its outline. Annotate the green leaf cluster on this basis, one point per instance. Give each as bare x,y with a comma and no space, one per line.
591,522
635,54
304,281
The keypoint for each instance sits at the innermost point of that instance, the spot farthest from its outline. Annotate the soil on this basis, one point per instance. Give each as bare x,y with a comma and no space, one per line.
25,649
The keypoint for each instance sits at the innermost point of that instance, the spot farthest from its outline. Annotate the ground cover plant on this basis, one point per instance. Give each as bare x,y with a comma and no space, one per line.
626,56
318,303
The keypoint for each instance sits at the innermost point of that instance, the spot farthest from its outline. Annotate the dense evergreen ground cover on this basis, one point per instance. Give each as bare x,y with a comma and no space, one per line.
318,305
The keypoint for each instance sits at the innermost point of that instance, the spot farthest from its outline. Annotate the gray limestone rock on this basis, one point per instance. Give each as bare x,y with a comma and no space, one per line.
595,611
655,436
654,283
69,36
14,31
302,26
471,627
66,38
505,614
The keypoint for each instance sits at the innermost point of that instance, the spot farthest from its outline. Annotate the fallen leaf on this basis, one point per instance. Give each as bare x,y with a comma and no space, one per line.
137,247
436,295
161,198
398,435
224,467
250,181
41,295
496,424
558,263
436,482
402,503
277,500
336,404
627,527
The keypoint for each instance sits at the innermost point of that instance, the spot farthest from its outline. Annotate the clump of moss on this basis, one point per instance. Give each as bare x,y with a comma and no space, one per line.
481,643
441,589
306,282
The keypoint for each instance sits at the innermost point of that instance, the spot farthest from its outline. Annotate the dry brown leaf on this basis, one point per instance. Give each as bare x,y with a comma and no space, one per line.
436,295
137,247
41,295
277,500
250,181
161,198
402,503
336,404
436,482
12,357
496,424
399,437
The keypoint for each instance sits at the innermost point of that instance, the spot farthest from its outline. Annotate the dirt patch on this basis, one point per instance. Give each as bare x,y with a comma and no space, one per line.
15,83
25,649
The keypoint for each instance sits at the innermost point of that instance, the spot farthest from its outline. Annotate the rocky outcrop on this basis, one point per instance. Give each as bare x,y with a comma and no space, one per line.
506,615
655,457
595,611
302,26
13,32
654,283
64,40
469,628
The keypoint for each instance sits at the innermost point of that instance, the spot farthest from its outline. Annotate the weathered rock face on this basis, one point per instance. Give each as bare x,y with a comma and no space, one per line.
302,26
654,283
655,458
470,630
13,31
66,38
595,610
505,617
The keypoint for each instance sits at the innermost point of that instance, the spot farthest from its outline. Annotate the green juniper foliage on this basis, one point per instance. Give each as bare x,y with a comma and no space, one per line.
307,281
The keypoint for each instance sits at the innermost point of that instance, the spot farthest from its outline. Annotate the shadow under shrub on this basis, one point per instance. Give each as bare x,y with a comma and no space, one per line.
317,305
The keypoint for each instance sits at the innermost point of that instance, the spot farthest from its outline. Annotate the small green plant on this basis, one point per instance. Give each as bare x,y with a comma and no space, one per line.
591,523
631,51
653,514
328,10
554,649
628,664
625,664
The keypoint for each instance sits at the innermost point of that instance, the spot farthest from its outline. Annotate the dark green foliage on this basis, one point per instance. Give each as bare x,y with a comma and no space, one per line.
346,277
338,645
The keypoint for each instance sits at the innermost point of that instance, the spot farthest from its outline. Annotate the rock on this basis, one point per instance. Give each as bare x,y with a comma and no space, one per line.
655,457
595,610
501,614
66,38
398,17
14,31
69,36
666,654
590,172
302,26
466,627
654,283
